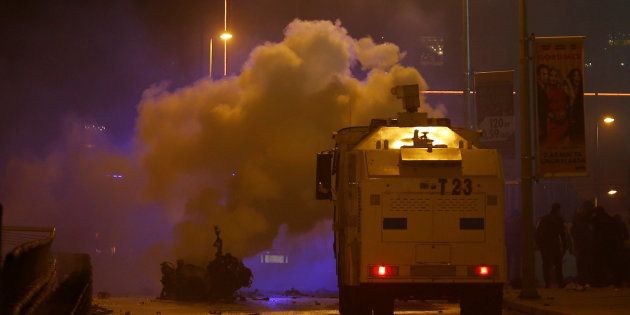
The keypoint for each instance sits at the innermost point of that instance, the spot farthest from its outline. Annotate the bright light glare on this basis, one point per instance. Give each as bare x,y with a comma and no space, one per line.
403,136
609,120
483,271
612,192
226,36
382,270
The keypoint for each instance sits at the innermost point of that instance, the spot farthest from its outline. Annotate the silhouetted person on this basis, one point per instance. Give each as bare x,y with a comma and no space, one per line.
552,241
168,280
218,243
582,242
605,239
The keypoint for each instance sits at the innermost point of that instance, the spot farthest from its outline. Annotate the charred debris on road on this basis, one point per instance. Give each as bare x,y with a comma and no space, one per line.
221,278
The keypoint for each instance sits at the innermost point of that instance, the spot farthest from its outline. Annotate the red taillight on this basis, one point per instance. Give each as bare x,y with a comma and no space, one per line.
384,270
483,271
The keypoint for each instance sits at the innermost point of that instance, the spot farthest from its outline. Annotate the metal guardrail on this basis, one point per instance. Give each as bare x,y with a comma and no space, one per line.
73,295
33,282
28,270
38,293
84,302
14,237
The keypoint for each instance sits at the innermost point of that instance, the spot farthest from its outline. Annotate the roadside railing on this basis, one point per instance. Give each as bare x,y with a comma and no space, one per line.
28,269
73,295
34,281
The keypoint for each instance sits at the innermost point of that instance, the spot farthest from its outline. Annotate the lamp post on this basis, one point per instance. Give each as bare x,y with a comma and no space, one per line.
210,61
607,120
225,36
528,287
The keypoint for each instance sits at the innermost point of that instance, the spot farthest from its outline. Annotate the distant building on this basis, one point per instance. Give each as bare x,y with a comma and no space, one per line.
607,66
432,50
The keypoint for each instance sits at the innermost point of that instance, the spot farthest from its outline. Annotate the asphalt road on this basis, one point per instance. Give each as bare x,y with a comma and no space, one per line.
280,305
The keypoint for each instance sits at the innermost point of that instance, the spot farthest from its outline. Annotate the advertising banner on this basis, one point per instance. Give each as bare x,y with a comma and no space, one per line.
559,97
494,101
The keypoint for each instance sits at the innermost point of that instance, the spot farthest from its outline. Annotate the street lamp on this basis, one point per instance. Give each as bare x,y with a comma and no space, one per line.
225,36
607,120
210,61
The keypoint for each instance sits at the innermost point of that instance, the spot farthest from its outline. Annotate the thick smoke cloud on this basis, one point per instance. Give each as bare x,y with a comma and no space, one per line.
263,127
310,264
237,153
90,191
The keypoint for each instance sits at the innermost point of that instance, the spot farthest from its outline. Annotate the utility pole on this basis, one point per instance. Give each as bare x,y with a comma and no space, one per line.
1,259
225,39
210,61
528,289
468,112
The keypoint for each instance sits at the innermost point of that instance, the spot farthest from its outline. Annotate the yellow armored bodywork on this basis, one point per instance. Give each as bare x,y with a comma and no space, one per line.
418,212
434,212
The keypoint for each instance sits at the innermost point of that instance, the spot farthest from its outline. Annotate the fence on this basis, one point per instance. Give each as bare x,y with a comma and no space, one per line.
73,294
28,270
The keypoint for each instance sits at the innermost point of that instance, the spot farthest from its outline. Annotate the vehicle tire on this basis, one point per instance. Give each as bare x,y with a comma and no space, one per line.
494,300
353,301
383,305
343,300
468,305
487,300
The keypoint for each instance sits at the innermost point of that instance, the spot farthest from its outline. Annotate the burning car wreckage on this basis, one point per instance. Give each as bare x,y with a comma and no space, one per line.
218,281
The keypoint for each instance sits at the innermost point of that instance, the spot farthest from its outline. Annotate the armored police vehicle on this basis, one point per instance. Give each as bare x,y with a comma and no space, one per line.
418,213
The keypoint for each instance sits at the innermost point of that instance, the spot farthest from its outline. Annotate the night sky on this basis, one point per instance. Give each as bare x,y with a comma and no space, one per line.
68,65
93,59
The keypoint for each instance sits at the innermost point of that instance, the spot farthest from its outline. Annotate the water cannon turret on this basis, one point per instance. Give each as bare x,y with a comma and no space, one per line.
410,94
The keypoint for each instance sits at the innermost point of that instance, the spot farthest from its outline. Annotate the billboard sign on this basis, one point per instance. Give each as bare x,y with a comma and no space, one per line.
559,98
494,101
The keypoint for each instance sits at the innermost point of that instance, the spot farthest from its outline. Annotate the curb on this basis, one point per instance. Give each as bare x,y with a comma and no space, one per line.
526,308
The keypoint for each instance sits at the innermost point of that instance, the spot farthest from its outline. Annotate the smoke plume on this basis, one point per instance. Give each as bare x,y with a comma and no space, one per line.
236,152
239,152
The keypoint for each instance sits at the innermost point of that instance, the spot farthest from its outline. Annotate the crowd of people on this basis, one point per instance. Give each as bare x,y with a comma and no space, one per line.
594,237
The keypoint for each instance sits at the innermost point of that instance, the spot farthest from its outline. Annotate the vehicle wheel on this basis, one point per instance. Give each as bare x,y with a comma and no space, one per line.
383,305
494,300
469,305
343,300
487,300
352,301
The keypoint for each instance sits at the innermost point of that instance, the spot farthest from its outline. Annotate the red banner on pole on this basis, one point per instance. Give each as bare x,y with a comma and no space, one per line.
561,147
